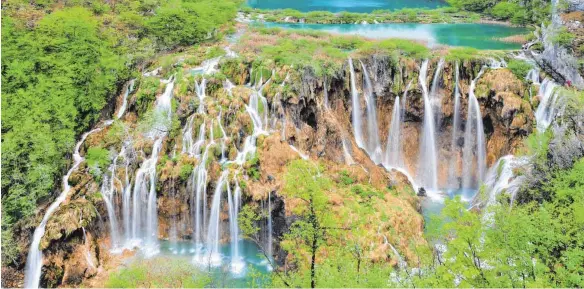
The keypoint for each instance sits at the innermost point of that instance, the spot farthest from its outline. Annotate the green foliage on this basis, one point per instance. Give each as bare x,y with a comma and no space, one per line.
519,67
563,37
345,178
505,10
253,167
185,172
63,62
247,221
161,272
462,54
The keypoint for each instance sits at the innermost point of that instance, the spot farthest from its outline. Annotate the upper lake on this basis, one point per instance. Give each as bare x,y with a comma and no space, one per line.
363,6
480,36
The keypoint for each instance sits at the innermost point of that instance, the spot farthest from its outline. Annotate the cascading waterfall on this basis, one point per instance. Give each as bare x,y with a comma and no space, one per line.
270,238
34,260
213,257
108,190
200,91
237,264
435,97
547,107
393,152
474,116
373,143
428,162
453,168
145,220
129,90
501,178
356,113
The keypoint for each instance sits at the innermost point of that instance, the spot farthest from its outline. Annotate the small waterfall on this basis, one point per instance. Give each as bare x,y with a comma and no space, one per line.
108,190
533,75
501,178
428,162
213,256
474,115
356,113
373,144
199,196
34,260
237,264
326,97
302,155
346,154
87,254
393,152
453,168
546,110
200,91
270,228
126,196
223,139
129,90
435,98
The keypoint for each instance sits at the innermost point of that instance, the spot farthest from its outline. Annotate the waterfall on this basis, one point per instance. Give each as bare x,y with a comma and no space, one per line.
270,238
129,90
302,155
87,254
547,107
356,113
237,264
435,98
474,114
501,178
199,196
34,260
373,143
533,75
393,152
145,220
126,196
107,192
428,162
223,138
213,256
453,168
346,154
326,97
200,91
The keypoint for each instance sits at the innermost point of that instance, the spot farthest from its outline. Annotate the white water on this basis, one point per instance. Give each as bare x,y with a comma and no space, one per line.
373,143
356,113
270,238
393,152
200,92
547,108
199,196
129,90
474,143
213,256
453,168
501,178
428,162
108,189
237,264
144,205
302,155
435,97
34,260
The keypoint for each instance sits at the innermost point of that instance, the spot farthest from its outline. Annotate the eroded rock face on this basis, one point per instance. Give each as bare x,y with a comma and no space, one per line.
506,111
322,131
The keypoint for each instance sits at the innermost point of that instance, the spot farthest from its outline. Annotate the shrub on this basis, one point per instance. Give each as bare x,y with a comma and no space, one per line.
563,37
504,10
519,68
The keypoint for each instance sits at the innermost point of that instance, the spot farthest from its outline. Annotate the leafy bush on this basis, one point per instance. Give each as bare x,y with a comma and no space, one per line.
505,10
519,68
563,37
185,172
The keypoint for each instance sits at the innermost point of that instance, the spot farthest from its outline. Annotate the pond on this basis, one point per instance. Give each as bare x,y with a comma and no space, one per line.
363,6
479,36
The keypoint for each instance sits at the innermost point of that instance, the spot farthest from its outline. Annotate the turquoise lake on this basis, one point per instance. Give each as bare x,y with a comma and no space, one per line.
363,6
480,36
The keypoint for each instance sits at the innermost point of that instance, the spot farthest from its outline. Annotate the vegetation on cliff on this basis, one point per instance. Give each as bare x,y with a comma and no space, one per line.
61,66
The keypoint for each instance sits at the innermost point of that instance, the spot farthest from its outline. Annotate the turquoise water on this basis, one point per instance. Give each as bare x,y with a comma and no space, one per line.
480,36
223,275
362,6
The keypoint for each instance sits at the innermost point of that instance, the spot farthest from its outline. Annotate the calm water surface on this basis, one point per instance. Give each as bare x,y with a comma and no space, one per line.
480,36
